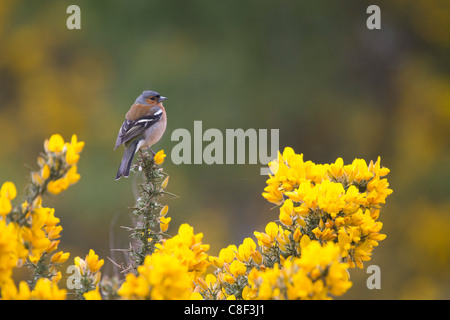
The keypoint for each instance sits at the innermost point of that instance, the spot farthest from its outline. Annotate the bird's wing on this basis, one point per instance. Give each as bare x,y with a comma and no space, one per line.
130,129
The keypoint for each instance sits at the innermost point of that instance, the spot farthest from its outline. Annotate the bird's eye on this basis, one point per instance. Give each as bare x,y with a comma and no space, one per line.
153,98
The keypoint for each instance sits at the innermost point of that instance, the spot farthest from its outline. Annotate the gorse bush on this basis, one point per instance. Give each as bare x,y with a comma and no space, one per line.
326,223
29,232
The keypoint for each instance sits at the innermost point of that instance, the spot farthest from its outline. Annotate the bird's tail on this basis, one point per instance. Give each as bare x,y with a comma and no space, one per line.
125,164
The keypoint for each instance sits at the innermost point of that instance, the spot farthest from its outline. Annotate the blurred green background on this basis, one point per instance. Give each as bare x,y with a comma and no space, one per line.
309,68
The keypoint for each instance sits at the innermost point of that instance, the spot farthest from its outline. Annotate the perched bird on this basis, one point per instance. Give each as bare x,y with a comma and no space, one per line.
144,125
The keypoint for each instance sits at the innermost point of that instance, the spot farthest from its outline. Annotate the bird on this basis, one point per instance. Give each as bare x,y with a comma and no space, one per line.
144,125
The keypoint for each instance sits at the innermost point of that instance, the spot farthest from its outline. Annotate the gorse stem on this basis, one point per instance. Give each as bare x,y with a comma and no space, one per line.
147,210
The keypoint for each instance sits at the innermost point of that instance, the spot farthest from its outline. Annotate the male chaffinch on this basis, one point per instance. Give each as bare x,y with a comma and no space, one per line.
144,125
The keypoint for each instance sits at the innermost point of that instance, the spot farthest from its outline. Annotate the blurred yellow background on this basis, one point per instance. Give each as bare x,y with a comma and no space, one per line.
311,69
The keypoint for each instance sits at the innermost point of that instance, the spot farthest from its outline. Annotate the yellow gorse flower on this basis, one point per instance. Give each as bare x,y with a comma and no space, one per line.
188,248
164,223
159,157
60,257
245,250
8,192
91,264
57,186
237,268
93,295
5,206
73,150
312,276
163,220
55,143
226,255
161,277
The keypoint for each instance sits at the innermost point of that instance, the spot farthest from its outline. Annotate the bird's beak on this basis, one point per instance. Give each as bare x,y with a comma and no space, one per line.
161,99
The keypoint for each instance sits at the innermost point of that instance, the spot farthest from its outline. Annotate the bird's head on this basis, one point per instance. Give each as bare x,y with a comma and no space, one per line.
150,97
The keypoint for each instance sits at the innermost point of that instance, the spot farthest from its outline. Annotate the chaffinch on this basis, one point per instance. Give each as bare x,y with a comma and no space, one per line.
144,126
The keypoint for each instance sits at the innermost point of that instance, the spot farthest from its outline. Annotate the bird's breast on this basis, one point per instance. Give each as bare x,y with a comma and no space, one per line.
155,132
